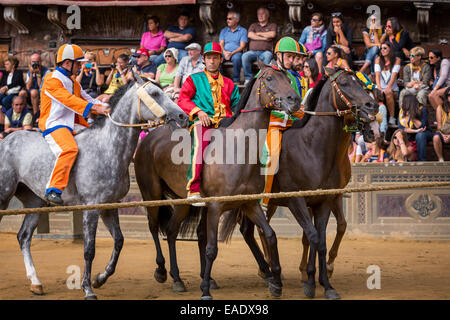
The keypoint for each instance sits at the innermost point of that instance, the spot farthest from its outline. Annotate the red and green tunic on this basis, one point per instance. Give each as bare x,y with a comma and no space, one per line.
217,97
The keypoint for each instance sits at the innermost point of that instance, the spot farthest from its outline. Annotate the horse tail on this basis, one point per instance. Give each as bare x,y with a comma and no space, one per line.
189,225
229,221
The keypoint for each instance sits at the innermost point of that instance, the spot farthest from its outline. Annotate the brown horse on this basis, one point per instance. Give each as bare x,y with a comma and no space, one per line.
314,156
158,176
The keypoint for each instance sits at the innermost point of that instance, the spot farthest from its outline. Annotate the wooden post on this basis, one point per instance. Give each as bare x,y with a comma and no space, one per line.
76,224
43,223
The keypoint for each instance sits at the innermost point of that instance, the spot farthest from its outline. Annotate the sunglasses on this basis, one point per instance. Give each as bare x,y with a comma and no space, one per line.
384,48
168,56
329,53
305,67
230,18
315,20
431,57
336,14
395,138
414,55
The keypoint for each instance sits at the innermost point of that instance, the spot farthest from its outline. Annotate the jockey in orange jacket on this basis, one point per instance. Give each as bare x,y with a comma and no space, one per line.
64,104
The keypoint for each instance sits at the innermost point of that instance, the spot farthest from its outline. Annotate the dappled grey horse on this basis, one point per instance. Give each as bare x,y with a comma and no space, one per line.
99,175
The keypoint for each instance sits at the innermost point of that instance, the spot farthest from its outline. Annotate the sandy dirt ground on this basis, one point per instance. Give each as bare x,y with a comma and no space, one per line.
409,270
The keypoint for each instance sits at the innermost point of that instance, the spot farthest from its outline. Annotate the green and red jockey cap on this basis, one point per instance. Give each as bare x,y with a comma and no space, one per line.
212,47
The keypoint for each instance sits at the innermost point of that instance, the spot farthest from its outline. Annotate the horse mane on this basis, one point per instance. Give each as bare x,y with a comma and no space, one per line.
226,122
313,100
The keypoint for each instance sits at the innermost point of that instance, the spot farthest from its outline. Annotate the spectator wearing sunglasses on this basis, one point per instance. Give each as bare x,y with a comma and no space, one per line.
165,75
335,58
372,36
442,136
398,37
314,38
440,77
340,35
387,67
416,77
144,66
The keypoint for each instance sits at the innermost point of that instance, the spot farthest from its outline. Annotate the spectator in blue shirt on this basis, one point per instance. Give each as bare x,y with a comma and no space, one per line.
310,41
178,37
233,40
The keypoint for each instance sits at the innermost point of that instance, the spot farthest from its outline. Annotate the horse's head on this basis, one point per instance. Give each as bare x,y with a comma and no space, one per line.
350,98
154,104
275,91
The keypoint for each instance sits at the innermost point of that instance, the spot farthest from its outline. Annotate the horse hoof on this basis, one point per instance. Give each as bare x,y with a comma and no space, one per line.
331,294
309,290
37,289
275,290
91,297
97,283
178,286
213,284
161,277
206,298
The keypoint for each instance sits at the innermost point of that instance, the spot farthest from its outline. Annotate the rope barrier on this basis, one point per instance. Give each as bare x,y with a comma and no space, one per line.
241,197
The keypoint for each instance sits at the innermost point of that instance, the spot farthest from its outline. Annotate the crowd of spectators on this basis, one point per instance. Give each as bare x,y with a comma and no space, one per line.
169,56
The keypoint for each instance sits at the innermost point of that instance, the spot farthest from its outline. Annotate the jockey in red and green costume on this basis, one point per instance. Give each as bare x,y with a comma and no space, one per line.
285,51
207,97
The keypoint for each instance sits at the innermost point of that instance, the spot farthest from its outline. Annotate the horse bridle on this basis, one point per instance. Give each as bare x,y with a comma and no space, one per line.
150,103
336,91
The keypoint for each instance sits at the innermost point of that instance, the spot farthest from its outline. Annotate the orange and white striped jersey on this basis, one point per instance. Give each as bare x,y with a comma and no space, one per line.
63,102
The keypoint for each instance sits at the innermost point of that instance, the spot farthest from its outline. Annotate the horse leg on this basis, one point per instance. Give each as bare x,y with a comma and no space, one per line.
90,222
173,227
160,272
212,225
201,236
298,207
111,220
304,261
270,212
336,207
321,216
256,215
247,229
25,235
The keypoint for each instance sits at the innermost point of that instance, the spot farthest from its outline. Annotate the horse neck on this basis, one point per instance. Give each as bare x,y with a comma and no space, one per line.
118,141
258,119
328,128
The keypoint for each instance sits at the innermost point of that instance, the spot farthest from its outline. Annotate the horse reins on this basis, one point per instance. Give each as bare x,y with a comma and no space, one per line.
268,105
150,103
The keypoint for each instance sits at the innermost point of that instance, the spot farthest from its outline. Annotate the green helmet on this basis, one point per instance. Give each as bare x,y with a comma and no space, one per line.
302,50
288,44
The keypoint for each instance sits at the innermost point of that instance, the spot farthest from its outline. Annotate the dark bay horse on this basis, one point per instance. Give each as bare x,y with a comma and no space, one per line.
158,176
314,156
99,175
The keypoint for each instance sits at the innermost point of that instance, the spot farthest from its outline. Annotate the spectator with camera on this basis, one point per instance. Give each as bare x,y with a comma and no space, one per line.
142,65
35,76
90,77
116,78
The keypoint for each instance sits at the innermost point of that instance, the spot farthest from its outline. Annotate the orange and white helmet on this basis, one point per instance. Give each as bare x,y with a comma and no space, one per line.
70,52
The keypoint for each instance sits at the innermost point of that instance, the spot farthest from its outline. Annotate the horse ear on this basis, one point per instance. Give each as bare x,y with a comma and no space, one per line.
261,64
137,78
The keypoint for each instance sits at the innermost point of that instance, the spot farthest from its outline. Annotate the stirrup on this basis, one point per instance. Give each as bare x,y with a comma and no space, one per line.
196,204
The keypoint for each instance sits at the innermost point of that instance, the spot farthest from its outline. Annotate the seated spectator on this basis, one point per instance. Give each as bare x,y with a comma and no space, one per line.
90,77
372,36
413,119
188,65
376,152
178,37
442,136
335,58
35,76
387,67
416,77
233,39
17,118
314,38
10,86
116,78
311,72
143,67
261,35
340,35
353,150
153,40
165,74
400,149
398,37
440,77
